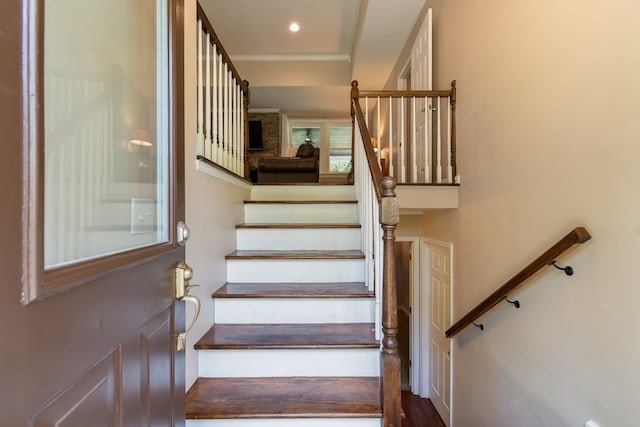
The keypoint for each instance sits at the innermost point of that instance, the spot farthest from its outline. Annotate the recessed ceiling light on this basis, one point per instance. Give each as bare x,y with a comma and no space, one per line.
294,27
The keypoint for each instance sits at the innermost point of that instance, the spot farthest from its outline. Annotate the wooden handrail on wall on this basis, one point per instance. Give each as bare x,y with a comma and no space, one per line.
578,235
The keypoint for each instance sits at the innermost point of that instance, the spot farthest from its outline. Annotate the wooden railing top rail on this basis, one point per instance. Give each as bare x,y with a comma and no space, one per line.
404,93
409,93
226,58
374,167
578,235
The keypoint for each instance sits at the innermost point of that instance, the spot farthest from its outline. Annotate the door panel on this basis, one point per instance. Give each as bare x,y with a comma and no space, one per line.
156,356
440,320
100,353
96,393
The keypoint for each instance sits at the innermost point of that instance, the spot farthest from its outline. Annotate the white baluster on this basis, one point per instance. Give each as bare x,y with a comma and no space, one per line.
414,146
242,134
230,119
238,130
199,132
414,142
241,130
366,112
236,115
227,106
215,151
207,101
225,111
378,131
449,166
439,148
232,123
428,139
219,134
402,143
232,147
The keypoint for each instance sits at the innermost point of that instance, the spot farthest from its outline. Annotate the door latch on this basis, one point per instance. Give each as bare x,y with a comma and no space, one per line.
183,233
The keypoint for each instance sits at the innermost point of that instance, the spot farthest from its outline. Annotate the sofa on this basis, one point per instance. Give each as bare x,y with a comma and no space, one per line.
305,167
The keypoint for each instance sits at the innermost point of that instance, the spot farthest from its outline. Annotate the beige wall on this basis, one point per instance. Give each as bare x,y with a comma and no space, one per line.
549,139
213,208
294,73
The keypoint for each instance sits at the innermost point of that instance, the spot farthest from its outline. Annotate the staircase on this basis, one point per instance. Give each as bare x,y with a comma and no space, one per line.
293,340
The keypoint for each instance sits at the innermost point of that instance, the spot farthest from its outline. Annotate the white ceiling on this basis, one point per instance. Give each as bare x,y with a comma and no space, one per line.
311,71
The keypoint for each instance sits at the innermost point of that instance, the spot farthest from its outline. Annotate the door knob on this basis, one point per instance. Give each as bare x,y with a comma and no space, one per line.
183,274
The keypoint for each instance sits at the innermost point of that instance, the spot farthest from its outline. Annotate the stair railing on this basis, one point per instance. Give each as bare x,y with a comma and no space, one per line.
578,235
416,133
223,102
379,214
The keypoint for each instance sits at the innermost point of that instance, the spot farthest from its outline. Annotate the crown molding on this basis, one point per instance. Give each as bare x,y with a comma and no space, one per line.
291,58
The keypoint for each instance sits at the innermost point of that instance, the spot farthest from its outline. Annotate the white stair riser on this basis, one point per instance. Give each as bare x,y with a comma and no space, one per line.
298,239
307,213
304,271
303,192
289,363
289,422
294,310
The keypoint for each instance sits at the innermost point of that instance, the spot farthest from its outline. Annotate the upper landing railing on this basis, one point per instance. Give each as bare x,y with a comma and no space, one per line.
414,133
223,100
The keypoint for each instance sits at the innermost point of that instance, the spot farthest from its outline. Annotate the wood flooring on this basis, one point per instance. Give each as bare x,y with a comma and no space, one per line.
419,412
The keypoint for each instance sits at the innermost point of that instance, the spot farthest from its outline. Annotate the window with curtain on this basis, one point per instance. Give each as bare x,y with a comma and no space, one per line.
339,149
333,137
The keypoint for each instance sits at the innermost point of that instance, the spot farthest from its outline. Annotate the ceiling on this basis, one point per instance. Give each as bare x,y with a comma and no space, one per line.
310,71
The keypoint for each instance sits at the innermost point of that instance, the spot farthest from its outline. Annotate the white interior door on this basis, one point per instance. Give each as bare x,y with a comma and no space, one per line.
440,286
422,79
422,56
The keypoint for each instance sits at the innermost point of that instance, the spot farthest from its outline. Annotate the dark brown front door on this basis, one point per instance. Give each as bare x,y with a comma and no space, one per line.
88,317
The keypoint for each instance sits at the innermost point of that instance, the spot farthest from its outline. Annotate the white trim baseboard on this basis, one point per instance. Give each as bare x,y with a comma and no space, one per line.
204,167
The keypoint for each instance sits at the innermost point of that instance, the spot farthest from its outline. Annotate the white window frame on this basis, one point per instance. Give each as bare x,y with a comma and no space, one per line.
324,125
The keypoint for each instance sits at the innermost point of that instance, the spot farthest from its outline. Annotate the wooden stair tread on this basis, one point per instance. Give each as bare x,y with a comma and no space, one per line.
289,336
294,397
294,290
280,254
300,202
292,225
